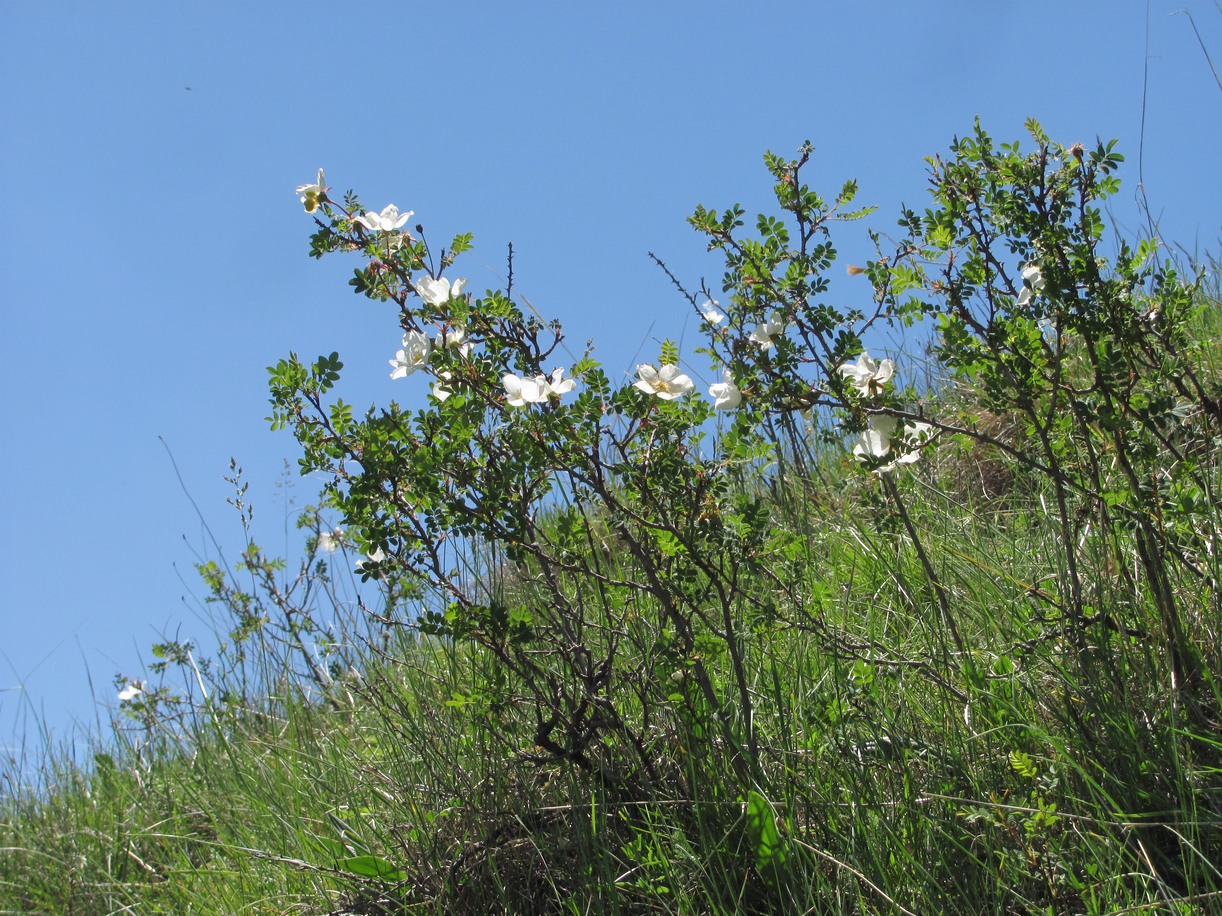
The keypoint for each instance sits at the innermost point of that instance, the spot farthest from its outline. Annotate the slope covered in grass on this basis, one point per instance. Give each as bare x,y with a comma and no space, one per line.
896,784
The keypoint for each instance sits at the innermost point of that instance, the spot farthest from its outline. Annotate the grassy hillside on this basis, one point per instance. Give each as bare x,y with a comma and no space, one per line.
986,681
1054,783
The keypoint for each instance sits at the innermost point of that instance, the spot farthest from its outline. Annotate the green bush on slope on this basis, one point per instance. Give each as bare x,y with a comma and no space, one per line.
623,663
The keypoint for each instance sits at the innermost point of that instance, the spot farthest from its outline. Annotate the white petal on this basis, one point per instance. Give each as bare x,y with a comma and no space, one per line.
399,366
1033,276
884,424
671,383
725,397
559,385
434,292
871,444
711,313
541,391
762,338
316,189
513,389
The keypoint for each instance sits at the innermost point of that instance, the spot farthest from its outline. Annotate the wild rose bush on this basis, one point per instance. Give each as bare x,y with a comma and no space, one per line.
532,502
1099,360
759,640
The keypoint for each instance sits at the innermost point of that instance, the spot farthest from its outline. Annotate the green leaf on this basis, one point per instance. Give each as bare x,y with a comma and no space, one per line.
770,852
371,867
850,215
1023,765
461,243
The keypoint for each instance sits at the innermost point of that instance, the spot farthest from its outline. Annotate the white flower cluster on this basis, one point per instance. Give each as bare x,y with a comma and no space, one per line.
329,541
667,383
389,220
879,440
416,344
765,334
711,311
438,292
725,394
1033,282
313,194
521,391
883,438
413,356
868,376
371,561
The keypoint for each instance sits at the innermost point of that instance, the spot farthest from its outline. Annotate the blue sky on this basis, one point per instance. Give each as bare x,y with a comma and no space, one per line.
153,254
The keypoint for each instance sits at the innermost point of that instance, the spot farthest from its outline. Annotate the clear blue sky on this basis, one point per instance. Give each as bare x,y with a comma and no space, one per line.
153,254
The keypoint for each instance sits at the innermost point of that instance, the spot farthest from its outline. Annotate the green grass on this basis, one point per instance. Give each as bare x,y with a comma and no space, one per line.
1036,768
